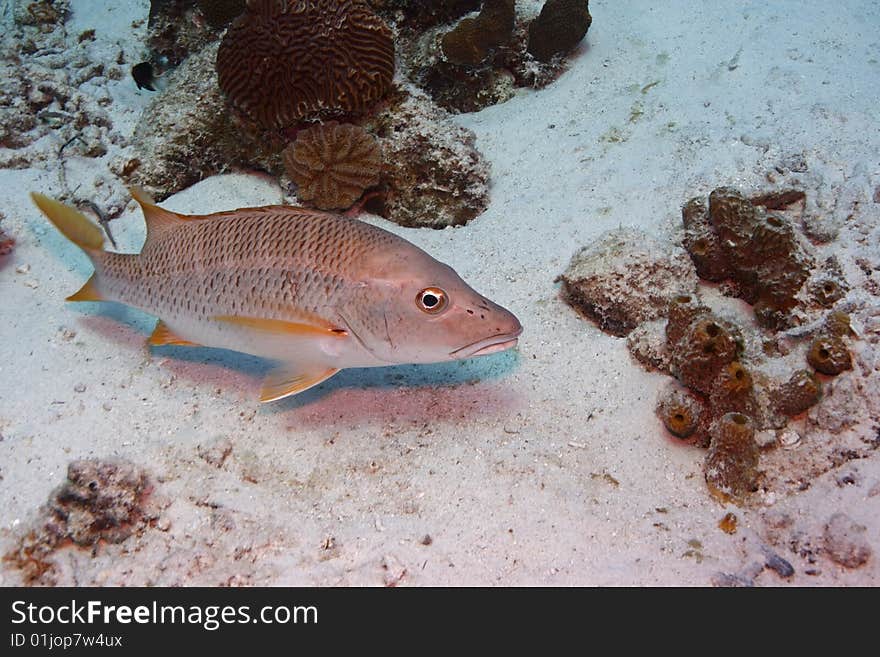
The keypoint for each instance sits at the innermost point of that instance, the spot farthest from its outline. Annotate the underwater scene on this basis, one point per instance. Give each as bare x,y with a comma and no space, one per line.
439,292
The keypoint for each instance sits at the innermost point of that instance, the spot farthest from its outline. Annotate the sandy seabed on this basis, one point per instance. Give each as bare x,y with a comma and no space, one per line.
543,466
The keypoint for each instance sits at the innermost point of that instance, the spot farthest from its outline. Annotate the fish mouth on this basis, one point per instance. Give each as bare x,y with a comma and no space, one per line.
486,346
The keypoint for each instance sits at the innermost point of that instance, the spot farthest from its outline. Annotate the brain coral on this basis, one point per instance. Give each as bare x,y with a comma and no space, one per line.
333,164
283,61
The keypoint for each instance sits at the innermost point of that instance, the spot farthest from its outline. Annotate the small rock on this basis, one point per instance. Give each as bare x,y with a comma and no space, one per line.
728,580
789,438
779,565
79,387
765,438
393,570
845,541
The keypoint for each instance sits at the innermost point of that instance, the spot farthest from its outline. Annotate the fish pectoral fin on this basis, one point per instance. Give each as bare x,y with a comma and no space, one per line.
309,326
162,335
291,379
87,292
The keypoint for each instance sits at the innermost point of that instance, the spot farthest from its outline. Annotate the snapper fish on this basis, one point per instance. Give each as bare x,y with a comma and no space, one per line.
314,291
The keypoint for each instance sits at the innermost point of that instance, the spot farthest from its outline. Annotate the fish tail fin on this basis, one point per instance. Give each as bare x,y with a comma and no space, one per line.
72,223
76,227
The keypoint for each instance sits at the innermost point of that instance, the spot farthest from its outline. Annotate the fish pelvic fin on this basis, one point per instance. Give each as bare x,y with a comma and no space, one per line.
158,220
88,292
72,223
291,379
162,335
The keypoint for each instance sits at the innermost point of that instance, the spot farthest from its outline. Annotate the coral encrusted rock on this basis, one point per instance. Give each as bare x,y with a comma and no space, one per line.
185,134
281,62
333,164
433,175
219,13
731,238
558,28
471,41
625,278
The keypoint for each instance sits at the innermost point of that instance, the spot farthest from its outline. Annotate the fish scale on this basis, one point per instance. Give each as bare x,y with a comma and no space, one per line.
247,264
313,291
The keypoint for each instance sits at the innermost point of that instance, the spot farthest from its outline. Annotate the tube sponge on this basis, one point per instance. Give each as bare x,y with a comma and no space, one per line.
731,467
681,412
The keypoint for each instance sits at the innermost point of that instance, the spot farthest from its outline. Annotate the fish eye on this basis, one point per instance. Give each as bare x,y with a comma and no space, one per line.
432,300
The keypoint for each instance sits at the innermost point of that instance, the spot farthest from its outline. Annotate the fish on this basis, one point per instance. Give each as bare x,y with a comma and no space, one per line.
143,75
312,291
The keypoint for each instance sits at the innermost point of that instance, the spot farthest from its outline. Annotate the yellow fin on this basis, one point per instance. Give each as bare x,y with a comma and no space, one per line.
289,380
72,223
309,326
162,335
158,219
87,292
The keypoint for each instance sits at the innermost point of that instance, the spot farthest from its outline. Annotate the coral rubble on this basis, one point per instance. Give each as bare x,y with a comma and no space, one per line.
50,87
101,502
332,164
845,542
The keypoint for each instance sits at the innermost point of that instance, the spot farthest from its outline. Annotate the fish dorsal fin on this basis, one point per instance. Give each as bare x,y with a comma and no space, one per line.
290,379
162,335
158,220
305,326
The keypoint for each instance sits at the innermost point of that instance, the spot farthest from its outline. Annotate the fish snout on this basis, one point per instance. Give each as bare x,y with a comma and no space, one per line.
503,334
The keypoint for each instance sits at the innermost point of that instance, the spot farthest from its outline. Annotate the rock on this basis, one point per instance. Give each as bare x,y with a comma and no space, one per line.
845,542
625,278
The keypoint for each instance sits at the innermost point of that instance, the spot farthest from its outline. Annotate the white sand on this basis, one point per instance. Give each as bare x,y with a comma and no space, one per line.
546,466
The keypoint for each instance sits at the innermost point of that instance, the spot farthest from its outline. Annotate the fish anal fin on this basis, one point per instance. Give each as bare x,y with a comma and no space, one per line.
290,379
88,292
309,326
162,335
